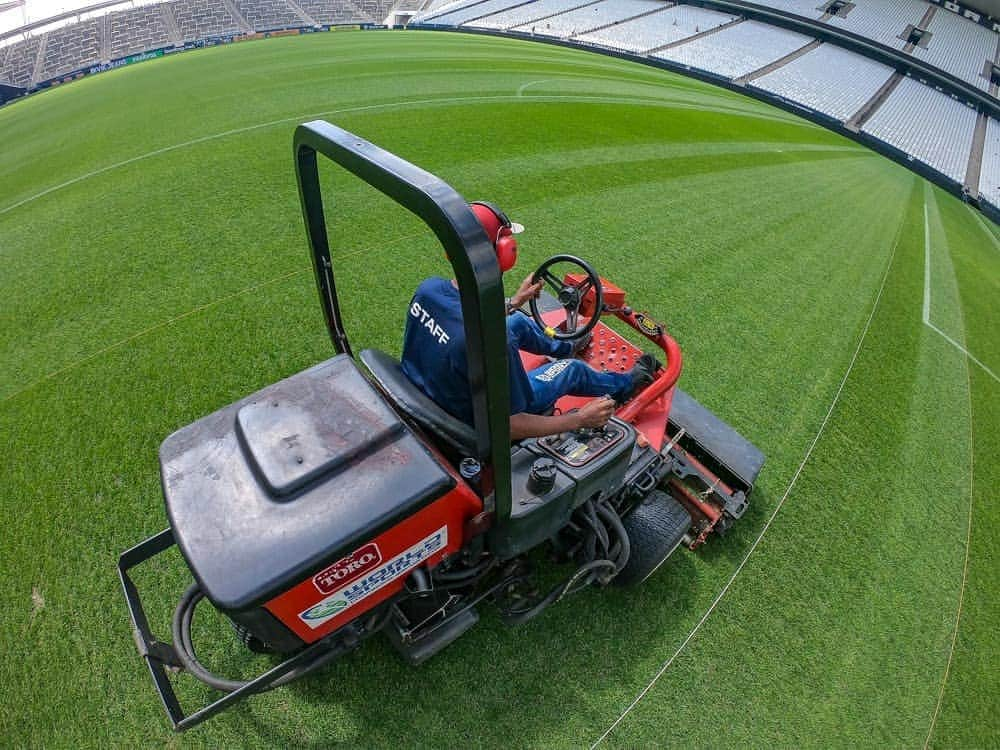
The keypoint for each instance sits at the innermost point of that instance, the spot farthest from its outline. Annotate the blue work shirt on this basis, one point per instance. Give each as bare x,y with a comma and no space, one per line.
434,352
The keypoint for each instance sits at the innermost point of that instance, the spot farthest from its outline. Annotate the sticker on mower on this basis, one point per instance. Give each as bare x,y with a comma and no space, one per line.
362,588
347,568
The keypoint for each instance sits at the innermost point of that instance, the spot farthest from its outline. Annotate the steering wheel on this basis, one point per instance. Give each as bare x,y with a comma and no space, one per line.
569,297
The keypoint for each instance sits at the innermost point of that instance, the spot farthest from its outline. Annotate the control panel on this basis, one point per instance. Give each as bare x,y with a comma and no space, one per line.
580,447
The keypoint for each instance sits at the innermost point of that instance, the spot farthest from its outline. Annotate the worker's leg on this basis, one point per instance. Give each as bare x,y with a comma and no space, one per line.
571,377
523,332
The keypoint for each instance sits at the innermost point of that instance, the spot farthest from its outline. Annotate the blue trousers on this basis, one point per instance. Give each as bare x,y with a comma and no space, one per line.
565,376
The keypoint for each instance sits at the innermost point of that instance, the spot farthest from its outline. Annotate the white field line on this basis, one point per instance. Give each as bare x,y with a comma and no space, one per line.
523,86
927,298
774,514
641,101
965,564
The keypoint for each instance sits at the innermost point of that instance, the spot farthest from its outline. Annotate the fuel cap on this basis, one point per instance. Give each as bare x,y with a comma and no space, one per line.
542,477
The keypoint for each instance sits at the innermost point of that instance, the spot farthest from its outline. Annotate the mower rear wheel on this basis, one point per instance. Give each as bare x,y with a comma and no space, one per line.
655,529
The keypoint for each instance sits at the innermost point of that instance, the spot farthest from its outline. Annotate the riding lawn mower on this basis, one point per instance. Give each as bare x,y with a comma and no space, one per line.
342,502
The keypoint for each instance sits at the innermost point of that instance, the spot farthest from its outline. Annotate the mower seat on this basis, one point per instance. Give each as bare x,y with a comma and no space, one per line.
416,404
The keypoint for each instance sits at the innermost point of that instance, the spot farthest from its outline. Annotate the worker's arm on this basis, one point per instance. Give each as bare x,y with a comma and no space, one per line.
594,414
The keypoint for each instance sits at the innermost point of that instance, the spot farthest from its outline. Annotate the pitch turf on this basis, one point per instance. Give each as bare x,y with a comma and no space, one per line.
154,269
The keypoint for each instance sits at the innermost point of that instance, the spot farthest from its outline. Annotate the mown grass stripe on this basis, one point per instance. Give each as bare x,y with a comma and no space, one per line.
965,563
774,513
517,98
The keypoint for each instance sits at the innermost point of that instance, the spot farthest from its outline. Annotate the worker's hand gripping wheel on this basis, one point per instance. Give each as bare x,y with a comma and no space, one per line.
570,297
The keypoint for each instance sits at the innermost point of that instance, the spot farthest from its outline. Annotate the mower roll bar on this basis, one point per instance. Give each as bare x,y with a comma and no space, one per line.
473,262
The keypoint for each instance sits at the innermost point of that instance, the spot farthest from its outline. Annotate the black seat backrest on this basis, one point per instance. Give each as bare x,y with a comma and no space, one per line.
416,404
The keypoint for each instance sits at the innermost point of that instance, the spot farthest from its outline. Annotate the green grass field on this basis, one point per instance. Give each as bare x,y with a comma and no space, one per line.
155,269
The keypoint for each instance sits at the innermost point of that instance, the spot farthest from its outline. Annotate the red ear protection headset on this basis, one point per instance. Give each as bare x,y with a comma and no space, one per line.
500,230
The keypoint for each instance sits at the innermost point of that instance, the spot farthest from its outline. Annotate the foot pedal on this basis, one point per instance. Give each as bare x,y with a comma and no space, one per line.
420,649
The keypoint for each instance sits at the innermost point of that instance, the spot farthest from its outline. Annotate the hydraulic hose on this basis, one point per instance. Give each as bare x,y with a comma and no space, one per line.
614,521
557,593
184,648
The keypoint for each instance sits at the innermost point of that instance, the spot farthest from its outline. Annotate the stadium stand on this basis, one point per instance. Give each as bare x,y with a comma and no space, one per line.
433,6
960,47
883,21
4,52
989,179
808,8
376,10
20,62
265,15
597,16
472,11
529,13
326,12
658,29
70,48
121,33
927,125
136,30
736,50
199,19
828,79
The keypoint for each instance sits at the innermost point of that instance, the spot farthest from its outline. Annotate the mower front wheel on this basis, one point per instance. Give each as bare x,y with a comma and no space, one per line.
655,529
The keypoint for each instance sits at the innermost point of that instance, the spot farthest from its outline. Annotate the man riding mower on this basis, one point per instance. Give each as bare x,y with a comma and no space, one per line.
434,356
343,501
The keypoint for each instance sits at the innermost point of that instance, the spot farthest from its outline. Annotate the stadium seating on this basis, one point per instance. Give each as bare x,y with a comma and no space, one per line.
376,10
137,30
928,125
828,79
808,8
70,48
597,16
20,62
737,50
884,21
526,14
199,19
265,15
960,47
989,180
658,29
326,12
471,12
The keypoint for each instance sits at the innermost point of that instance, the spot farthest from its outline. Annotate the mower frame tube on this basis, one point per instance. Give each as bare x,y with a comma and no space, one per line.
473,262
665,381
159,656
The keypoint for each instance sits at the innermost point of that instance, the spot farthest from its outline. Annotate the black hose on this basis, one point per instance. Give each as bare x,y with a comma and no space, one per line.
464,575
181,629
557,593
184,648
615,522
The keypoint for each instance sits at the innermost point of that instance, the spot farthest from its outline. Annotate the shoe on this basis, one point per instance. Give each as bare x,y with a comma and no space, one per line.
643,372
582,343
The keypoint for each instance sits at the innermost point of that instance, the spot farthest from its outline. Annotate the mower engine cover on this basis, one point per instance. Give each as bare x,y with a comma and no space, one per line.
308,503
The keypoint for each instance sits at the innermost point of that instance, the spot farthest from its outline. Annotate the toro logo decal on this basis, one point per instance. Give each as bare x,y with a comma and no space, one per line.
348,568
363,587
